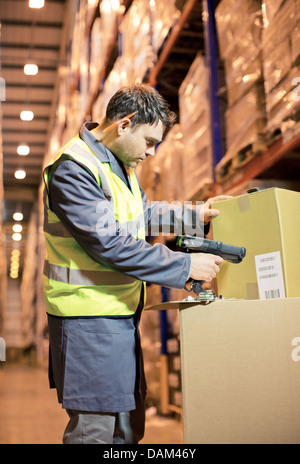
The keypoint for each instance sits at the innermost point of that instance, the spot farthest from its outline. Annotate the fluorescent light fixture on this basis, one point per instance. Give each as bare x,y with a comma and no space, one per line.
17,228
23,150
115,5
17,217
105,6
16,237
31,69
20,174
36,3
15,253
26,115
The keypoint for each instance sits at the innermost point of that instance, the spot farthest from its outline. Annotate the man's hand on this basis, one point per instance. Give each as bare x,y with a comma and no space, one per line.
207,212
205,266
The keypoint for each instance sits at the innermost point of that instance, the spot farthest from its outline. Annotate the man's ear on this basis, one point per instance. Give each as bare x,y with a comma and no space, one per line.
123,125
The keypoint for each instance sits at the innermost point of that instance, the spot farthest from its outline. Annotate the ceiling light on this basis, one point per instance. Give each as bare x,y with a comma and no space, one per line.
115,5
14,275
17,228
17,217
20,174
31,69
23,150
16,237
15,253
14,266
105,6
26,115
36,3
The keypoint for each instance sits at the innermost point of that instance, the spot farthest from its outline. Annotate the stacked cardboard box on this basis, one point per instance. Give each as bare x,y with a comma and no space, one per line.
281,65
195,120
240,372
265,224
239,33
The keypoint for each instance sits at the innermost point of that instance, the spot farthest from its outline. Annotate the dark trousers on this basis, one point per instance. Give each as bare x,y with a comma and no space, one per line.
86,427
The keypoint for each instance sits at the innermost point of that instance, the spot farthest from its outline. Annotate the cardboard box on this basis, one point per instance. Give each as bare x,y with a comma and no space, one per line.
240,364
267,223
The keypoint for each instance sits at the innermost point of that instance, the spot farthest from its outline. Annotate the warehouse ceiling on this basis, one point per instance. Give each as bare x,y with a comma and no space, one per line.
27,36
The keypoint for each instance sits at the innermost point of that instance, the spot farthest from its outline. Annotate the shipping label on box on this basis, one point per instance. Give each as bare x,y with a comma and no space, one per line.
269,276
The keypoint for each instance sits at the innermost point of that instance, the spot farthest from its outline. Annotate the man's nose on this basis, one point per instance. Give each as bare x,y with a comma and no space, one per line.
150,151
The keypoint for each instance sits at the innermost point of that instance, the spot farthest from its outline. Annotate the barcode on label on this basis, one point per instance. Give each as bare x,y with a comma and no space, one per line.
265,268
269,294
268,276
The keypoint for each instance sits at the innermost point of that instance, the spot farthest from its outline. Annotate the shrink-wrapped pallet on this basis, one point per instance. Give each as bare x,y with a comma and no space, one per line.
77,37
245,132
167,167
246,120
270,8
143,30
240,41
283,102
230,18
195,120
281,56
239,37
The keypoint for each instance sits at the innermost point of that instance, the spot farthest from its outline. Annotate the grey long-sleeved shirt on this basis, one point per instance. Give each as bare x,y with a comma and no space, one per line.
80,204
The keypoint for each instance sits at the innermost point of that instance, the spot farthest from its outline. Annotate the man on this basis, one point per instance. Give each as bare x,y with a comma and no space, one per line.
97,263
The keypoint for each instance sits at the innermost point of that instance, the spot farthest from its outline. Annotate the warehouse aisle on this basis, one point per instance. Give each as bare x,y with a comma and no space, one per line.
30,413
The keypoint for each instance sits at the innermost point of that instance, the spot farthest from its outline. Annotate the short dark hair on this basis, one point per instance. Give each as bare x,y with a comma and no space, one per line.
145,101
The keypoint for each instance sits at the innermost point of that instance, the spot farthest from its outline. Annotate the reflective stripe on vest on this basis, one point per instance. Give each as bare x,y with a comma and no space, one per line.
84,277
75,284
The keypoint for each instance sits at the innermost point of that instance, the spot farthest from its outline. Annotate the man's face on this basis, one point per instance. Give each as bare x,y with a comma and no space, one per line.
134,145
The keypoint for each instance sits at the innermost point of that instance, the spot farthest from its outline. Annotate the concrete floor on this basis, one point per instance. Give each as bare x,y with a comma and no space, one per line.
30,414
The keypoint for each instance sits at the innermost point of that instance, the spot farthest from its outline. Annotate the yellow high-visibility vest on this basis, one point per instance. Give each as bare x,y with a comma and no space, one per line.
73,283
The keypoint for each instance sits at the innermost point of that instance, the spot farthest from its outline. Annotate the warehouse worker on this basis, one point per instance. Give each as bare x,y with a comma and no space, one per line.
97,263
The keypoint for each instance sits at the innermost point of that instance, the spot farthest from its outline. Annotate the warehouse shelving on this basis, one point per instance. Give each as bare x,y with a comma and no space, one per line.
171,41
276,152
259,164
